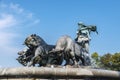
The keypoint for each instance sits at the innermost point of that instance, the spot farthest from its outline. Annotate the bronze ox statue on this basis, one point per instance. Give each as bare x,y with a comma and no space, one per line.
41,53
66,49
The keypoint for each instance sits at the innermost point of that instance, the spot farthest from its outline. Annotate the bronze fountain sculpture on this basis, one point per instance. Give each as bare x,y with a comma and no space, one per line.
73,52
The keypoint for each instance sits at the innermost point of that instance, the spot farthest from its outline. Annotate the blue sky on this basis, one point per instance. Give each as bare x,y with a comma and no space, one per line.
51,19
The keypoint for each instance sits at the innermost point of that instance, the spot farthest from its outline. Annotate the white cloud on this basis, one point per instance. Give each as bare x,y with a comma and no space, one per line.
7,20
6,38
14,21
36,21
13,16
16,8
7,43
3,5
30,15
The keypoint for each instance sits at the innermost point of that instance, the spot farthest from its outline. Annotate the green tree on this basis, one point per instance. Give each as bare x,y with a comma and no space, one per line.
106,61
111,61
96,59
95,56
116,62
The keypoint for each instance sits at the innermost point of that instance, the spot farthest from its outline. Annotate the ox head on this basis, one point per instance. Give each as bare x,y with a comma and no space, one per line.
34,41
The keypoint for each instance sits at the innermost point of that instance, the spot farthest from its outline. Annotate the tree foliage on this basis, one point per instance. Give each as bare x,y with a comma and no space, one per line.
107,61
96,59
